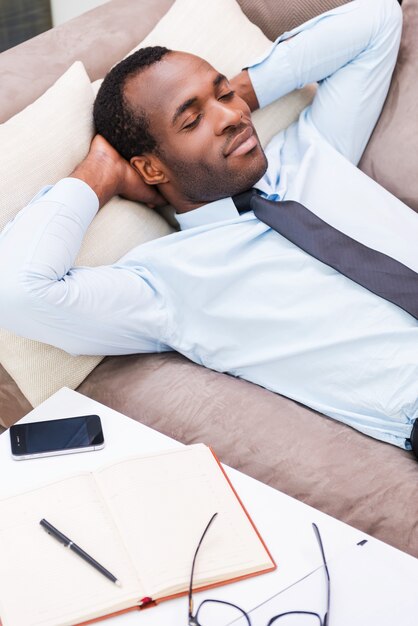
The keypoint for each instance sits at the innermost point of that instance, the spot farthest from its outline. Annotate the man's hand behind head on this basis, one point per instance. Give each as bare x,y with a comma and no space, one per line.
243,87
109,174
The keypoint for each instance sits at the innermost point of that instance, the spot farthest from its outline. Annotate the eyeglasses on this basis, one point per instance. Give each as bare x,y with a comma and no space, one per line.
217,612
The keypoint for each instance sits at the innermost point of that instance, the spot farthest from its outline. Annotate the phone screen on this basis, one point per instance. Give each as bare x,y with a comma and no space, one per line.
61,434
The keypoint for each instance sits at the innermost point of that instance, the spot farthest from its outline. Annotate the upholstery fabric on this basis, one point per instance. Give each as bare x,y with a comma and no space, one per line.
57,144
198,28
311,457
13,403
275,18
391,156
98,38
37,148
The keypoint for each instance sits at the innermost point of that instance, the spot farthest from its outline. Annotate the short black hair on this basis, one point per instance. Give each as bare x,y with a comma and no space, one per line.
125,129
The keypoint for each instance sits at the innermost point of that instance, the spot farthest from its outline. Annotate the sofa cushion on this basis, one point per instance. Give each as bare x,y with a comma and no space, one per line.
98,38
219,32
275,18
391,156
311,457
36,148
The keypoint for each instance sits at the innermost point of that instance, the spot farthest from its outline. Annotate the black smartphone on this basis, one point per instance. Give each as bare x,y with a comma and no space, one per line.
52,437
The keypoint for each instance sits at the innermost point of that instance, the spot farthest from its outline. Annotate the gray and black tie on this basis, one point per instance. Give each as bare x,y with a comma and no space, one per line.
371,269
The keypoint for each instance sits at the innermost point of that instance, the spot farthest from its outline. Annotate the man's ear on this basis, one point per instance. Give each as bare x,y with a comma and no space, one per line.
150,169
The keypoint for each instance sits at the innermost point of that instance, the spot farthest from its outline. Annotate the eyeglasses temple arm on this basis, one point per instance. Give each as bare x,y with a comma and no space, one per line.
321,547
193,564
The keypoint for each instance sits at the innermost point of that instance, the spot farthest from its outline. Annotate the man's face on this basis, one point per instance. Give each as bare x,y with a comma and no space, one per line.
209,148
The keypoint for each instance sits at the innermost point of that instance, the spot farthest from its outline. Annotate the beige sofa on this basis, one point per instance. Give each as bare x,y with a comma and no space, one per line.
368,484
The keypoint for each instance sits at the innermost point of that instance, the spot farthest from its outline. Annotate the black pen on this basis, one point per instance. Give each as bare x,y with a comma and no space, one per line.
51,530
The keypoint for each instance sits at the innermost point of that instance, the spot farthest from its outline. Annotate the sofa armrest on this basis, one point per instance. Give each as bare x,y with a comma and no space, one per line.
98,38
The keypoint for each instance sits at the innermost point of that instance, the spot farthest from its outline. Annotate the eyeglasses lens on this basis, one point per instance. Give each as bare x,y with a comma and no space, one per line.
213,613
296,619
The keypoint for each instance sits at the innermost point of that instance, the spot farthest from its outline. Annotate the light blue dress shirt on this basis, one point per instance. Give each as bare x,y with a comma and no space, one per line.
227,291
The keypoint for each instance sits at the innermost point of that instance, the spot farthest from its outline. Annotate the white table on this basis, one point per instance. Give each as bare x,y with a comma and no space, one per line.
373,584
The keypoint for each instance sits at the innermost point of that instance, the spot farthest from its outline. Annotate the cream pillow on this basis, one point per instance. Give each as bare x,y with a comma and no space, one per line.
218,31
39,146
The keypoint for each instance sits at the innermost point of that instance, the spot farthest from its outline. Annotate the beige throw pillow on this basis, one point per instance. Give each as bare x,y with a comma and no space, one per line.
218,31
39,146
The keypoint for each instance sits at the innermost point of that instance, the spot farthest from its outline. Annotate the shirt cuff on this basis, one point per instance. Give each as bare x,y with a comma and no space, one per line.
272,77
73,192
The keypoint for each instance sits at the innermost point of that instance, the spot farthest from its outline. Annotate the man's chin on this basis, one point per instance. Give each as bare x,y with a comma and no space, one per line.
225,182
263,165
251,172
244,176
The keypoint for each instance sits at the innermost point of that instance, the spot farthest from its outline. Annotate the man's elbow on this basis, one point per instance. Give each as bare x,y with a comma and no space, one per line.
392,13
19,305
13,302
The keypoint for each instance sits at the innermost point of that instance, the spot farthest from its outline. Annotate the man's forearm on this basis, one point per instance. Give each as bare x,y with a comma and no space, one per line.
99,175
315,50
37,250
82,310
242,85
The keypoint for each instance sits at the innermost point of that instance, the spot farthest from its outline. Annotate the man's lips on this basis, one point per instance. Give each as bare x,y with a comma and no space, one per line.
242,143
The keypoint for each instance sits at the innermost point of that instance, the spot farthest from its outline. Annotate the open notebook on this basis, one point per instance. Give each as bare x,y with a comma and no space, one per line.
141,518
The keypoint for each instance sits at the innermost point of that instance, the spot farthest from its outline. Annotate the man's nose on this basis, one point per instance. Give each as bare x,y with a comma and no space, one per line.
226,117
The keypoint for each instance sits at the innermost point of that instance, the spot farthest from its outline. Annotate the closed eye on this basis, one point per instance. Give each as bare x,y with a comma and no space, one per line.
227,96
193,124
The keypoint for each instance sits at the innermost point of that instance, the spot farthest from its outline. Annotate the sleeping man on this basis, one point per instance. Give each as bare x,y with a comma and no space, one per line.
227,290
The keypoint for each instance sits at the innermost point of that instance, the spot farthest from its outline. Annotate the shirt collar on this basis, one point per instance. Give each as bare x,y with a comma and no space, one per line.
217,211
